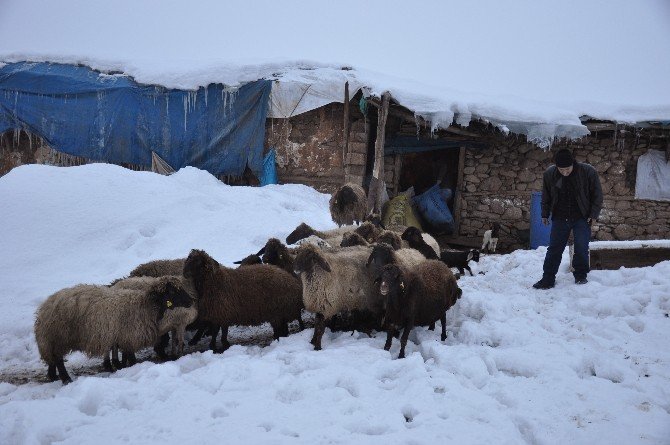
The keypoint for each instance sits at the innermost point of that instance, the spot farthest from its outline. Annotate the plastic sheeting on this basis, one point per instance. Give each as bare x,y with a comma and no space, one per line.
653,176
269,173
112,118
291,97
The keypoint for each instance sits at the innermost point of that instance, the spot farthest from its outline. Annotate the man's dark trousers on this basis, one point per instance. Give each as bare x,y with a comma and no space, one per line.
558,239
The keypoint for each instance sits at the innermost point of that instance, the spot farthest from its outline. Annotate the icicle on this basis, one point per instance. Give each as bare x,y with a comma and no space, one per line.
185,109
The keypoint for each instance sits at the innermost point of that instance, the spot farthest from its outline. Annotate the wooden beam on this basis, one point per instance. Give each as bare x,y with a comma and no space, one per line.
377,180
458,198
397,165
601,126
345,144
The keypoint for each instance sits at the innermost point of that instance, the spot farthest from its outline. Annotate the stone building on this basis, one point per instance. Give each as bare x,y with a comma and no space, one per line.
492,173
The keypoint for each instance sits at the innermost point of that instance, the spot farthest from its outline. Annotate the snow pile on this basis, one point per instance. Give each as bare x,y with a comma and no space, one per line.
575,364
528,66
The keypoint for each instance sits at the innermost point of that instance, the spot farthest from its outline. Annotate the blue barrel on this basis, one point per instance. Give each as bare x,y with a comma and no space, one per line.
539,233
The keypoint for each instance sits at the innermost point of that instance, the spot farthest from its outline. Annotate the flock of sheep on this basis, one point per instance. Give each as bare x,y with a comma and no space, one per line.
360,272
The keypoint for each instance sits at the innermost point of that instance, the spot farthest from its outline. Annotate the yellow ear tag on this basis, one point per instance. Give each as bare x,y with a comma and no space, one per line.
168,303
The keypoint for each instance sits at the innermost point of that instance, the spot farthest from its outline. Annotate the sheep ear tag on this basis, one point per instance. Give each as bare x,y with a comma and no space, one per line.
402,285
168,303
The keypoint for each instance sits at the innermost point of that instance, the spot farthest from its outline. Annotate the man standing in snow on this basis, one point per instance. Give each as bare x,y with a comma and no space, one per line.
571,193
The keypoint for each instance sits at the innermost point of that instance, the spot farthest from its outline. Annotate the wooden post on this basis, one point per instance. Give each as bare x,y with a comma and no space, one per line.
345,145
377,180
458,199
397,165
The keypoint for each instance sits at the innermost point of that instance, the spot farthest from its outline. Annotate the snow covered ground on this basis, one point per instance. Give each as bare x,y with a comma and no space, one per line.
575,364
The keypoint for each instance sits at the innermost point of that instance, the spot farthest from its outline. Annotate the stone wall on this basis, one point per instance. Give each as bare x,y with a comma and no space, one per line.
498,182
310,148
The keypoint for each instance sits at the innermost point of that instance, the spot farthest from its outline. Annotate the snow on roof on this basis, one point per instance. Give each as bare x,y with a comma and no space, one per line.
528,66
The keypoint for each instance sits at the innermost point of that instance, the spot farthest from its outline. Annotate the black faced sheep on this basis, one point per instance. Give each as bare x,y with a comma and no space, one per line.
335,281
348,205
248,295
327,238
416,298
95,319
383,254
490,241
277,254
416,240
460,259
174,321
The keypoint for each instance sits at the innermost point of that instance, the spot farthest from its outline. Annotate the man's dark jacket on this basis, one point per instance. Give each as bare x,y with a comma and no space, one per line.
587,188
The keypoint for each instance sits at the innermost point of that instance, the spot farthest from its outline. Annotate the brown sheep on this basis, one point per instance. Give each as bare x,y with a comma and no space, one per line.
348,205
249,295
416,298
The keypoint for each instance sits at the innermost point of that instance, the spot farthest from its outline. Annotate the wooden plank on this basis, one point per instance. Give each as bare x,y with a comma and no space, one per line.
345,145
458,198
377,181
612,259
397,165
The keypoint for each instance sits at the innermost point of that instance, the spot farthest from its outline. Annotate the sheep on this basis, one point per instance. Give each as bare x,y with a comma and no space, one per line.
254,258
383,254
277,254
416,297
174,321
391,238
159,268
416,240
348,205
95,319
490,241
353,239
326,238
248,295
369,231
335,281
460,259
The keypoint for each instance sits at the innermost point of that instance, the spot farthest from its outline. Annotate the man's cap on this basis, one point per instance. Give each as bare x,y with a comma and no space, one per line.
564,158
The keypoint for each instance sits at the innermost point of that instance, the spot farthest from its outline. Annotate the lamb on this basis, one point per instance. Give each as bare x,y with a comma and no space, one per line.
416,240
460,259
335,281
416,298
174,321
348,205
95,319
248,295
491,236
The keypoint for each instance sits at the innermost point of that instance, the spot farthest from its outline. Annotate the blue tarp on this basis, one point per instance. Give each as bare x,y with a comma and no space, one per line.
112,118
269,173
432,204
